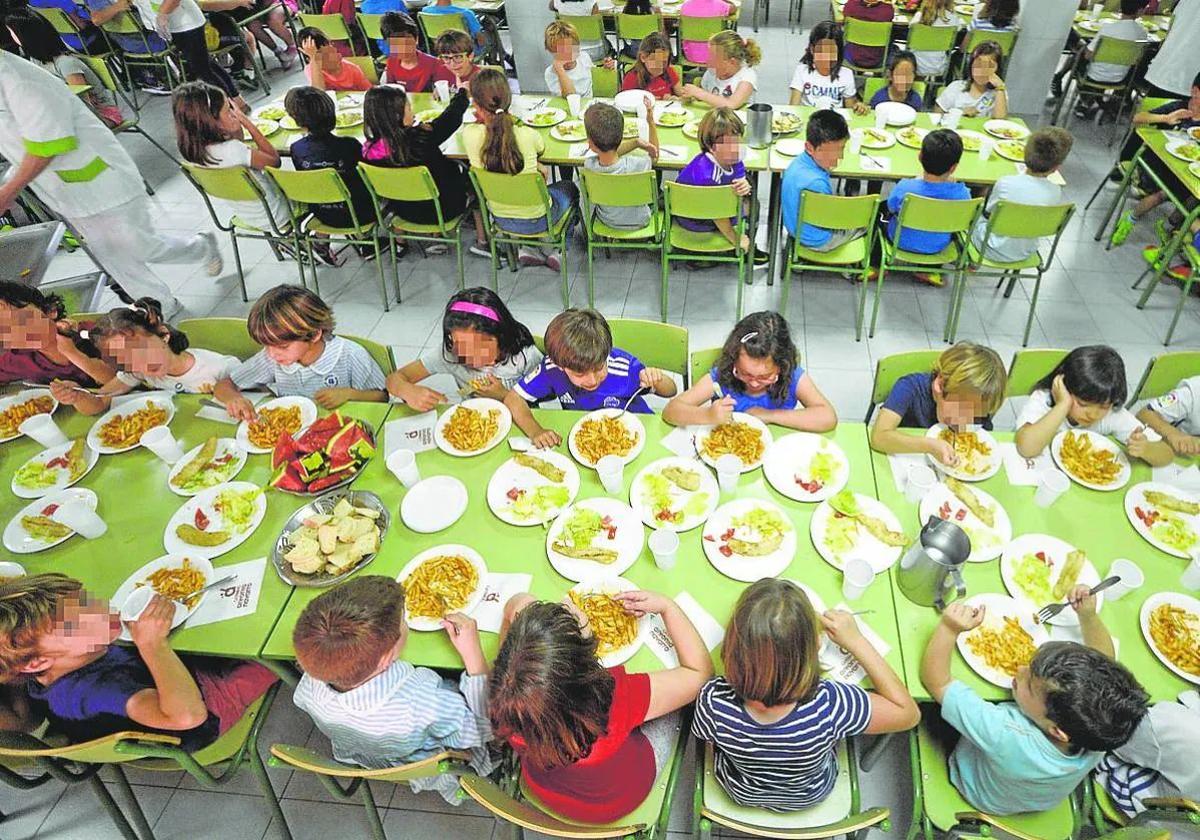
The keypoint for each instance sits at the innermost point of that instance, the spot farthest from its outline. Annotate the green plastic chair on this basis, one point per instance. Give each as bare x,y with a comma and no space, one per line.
1028,368
65,26
1115,51
837,213
1008,218
868,33
631,29
130,124
235,183
695,29
1165,372
956,218
1137,833
325,186
1146,103
657,345
381,353
433,25
874,84
606,82
926,38
164,61
679,243
1104,812
370,25
636,189
413,183
221,335
589,27
527,189
1180,243
1007,40
332,27
701,362
890,368
368,65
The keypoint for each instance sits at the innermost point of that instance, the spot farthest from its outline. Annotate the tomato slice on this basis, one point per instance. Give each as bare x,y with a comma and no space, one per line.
725,551
201,521
48,510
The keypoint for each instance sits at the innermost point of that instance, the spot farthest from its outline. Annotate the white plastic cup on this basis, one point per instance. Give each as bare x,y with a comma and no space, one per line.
162,443
441,90
919,481
1190,579
403,464
574,103
729,470
1097,10
1131,578
985,150
611,470
136,603
880,120
43,429
857,576
664,544
81,519
950,120
1051,485
855,142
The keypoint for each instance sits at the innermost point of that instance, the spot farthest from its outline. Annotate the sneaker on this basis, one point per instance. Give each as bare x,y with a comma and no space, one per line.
1180,272
1123,228
437,250
529,257
286,58
552,261
324,252
215,263
480,251
1116,175
929,279
156,90
856,277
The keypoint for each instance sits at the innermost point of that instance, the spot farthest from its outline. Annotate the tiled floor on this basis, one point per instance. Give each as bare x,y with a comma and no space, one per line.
1085,298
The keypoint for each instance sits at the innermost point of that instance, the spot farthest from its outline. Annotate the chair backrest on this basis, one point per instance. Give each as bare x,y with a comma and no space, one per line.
655,344
701,362
890,368
433,24
332,27
1028,369
517,812
221,335
637,27
1005,39
699,28
938,215
868,33
1165,372
20,747
702,202
926,38
589,27
400,183
605,81
59,19
229,183
1010,218
367,65
876,83
369,24
313,186
100,67
838,212
379,352
628,190
1137,832
312,761
1119,51
524,188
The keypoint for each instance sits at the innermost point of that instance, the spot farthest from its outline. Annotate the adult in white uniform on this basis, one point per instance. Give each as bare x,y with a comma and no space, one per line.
76,166
1178,60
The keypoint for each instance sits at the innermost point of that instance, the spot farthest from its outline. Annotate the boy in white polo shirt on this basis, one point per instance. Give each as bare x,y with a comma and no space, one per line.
1176,416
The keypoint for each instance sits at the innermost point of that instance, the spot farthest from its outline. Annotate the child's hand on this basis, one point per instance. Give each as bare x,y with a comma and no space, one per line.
1137,443
649,148
464,635
546,439
959,618
1177,116
331,398
240,408
640,602
691,91
65,392
970,112
1084,602
1060,394
153,625
861,108
721,410
310,49
943,450
650,378
647,101
1180,443
609,63
741,187
489,386
841,628
585,624
996,82
420,398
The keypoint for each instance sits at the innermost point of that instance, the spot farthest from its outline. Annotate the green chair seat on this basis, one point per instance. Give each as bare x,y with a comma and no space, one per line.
650,230
898,255
556,229
854,251
221,750
404,226
1106,806
315,225
720,807
977,258
706,242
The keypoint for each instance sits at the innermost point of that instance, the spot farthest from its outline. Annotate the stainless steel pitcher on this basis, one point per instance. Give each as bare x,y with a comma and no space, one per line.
933,564
758,131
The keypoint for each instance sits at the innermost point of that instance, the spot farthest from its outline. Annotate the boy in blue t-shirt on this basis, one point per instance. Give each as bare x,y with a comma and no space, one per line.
941,151
583,371
824,141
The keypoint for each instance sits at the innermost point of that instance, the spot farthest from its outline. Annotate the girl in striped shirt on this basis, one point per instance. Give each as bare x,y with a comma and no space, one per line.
774,723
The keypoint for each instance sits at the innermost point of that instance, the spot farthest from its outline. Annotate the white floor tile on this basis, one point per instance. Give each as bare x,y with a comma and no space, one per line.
190,813
26,810
78,815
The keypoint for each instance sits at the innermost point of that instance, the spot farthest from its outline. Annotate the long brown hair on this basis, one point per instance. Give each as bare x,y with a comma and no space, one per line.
197,108
383,119
490,92
770,650
652,43
144,316
548,689
933,10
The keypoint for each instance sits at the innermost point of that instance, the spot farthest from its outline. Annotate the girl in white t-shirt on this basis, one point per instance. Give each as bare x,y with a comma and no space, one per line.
145,351
982,93
730,80
820,80
184,25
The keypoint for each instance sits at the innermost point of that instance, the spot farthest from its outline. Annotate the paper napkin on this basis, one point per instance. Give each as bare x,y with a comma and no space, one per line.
843,667
237,598
874,164
708,627
900,464
415,433
681,441
675,153
209,412
497,589
580,150
1024,471
1183,476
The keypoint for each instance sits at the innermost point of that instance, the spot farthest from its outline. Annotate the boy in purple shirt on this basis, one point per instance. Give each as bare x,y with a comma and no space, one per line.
583,371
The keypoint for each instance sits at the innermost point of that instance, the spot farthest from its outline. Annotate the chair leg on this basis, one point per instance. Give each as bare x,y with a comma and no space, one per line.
1154,277
156,144
1037,288
495,263
149,189
562,268
1012,282
382,280
878,295
787,285
862,305
1183,295
237,260
666,269
264,782
949,329
114,810
393,252
458,250
135,808
591,274
364,792
1096,193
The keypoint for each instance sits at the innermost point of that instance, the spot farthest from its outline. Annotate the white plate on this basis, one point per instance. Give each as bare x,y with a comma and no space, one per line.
510,477
628,100
1135,498
473,556
205,500
997,537
557,115
308,413
350,101
678,496
167,561
905,137
880,556
22,397
788,461
797,123
692,131
8,569
1175,599
678,117
1056,552
1098,440
977,136
611,585
576,128
993,463
1013,150
273,111
480,404
125,408
19,541
790,146
737,566
897,114
631,422
225,446
1175,149
996,608
1002,128
90,457
702,433
433,504
630,537
866,141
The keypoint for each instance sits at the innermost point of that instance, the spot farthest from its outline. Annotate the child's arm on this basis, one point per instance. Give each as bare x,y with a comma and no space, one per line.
1151,118
175,701
1095,634
935,664
1180,442
265,154
697,405
464,635
558,70
402,384
237,406
817,414
674,688
855,104
1000,109
98,370
887,438
331,398
542,437
892,707
657,382
793,96
1033,438
68,393
735,100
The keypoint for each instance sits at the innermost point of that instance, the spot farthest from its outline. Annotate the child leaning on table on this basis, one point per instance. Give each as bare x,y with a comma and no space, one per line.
1086,390
775,724
300,356
326,69
982,93
56,641
583,371
825,139
758,372
730,80
376,709
966,385
1072,703
570,71
1175,416
613,155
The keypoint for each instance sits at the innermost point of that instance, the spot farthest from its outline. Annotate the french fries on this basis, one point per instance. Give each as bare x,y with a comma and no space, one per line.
181,584
122,430
740,439
613,627
440,585
469,430
1087,462
974,456
15,415
600,436
271,423
1176,633
1006,649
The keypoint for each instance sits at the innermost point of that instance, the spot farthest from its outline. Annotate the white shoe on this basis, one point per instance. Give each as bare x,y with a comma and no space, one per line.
530,257
480,251
215,263
552,260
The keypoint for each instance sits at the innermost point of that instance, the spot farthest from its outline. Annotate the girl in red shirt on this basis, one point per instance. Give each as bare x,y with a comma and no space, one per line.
38,343
653,71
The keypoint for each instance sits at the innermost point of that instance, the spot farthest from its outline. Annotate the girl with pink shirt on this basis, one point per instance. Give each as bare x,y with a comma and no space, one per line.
697,51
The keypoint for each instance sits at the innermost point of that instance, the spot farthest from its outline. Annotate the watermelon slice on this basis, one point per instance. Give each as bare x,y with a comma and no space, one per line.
341,445
286,450
311,466
325,482
287,477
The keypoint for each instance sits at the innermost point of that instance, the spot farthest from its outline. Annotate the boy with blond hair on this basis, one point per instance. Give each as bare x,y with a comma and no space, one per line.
605,128
571,69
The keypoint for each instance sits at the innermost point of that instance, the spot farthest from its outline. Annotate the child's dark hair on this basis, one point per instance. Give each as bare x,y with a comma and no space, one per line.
1093,699
289,313
605,126
652,43
1047,148
397,25
480,309
318,37
826,30
145,315
579,339
1001,13
1093,373
1196,81
197,108
762,335
312,109
1133,7
453,41
38,39
899,56
987,49
637,7
941,150
383,119
18,296
826,126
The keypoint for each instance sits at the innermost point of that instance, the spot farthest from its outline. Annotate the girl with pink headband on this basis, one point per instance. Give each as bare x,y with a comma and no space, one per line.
483,347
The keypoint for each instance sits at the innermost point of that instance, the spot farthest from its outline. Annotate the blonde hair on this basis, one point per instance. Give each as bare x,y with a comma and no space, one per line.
289,313
29,606
500,152
770,651
932,11
972,367
733,45
560,30
718,123
579,340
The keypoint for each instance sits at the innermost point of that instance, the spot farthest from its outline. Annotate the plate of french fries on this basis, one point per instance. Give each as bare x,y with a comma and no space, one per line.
121,427
619,634
977,512
19,407
1171,625
606,431
1040,569
743,435
1091,459
978,452
176,577
1007,639
472,427
440,580
272,419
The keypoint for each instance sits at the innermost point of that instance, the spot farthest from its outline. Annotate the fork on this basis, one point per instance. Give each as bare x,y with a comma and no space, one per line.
1050,611
629,401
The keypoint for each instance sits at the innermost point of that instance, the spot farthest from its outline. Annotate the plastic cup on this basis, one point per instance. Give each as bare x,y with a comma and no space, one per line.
857,575
611,470
855,143
985,151
441,89
1051,485
880,120
663,545
1097,10
1131,578
81,519
136,603
162,443
43,429
403,464
919,481
729,470
950,120
574,103
1190,579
